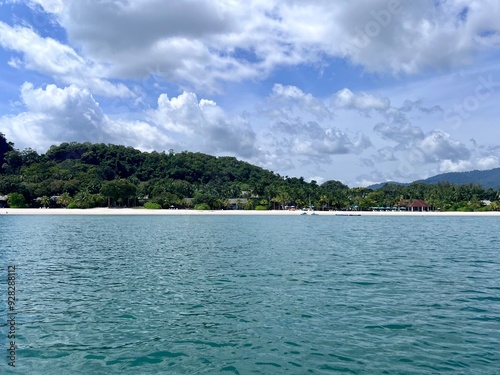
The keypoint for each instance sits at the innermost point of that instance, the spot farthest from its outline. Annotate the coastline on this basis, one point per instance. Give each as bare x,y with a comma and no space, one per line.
142,211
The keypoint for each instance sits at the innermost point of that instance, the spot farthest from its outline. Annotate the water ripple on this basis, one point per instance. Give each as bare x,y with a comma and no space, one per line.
260,295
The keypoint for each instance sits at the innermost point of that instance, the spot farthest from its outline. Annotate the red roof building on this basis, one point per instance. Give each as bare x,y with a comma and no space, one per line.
418,205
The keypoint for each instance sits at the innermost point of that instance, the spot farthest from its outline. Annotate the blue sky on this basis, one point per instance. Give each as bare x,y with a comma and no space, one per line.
359,91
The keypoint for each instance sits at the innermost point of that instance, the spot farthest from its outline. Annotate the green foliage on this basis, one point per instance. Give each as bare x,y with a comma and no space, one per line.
488,179
261,208
84,199
5,147
166,200
120,191
16,200
64,200
152,206
202,206
88,175
45,201
206,198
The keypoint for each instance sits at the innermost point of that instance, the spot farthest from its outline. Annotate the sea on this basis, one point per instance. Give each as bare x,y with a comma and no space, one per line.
249,294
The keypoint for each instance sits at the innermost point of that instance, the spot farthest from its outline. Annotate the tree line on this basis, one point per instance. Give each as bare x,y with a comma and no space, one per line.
85,175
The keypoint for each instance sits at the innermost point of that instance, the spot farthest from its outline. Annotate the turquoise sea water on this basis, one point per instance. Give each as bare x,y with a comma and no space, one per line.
252,294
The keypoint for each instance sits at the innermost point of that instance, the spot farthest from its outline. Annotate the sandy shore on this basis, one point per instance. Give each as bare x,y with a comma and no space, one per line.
142,211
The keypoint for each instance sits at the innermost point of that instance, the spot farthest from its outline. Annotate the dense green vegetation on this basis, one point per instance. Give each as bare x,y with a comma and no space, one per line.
487,179
84,175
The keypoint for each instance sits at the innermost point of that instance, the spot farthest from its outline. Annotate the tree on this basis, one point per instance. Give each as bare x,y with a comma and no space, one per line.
495,205
5,147
202,206
152,206
84,199
166,200
323,201
110,191
118,191
126,191
45,201
64,199
16,200
12,162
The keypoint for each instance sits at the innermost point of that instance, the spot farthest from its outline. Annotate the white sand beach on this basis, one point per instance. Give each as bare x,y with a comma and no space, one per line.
142,211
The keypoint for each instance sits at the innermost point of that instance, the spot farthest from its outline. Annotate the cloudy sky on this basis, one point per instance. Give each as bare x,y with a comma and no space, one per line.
360,91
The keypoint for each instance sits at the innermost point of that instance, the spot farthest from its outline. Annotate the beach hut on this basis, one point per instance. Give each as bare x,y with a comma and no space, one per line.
418,205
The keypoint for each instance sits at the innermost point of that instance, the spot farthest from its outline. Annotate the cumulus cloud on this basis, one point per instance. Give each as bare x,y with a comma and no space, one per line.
488,162
311,139
419,35
204,42
404,135
346,99
416,105
50,57
54,115
198,46
439,145
447,165
203,125
475,163
291,99
386,154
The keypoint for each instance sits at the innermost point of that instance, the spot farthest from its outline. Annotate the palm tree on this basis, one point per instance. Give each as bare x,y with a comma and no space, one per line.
323,201
45,201
64,199
495,205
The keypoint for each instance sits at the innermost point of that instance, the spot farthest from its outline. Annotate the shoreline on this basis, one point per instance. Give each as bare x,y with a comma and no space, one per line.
166,212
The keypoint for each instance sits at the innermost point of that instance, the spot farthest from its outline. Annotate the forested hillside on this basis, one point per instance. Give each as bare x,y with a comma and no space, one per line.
487,179
84,175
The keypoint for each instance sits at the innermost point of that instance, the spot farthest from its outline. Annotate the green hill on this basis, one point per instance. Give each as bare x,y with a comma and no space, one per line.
488,179
88,175
85,175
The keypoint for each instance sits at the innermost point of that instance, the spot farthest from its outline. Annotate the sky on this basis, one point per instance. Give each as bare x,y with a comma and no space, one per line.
359,91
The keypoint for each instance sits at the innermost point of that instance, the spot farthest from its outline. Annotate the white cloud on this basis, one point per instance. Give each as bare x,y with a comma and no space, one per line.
50,57
55,115
291,99
438,145
203,42
346,99
386,154
204,126
446,166
319,180
116,48
473,163
404,135
488,162
312,140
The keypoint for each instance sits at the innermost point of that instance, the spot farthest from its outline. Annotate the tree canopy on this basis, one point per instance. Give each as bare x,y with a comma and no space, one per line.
88,175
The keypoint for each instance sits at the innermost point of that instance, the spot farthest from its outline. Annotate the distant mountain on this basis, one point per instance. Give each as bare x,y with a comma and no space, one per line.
488,179
382,184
